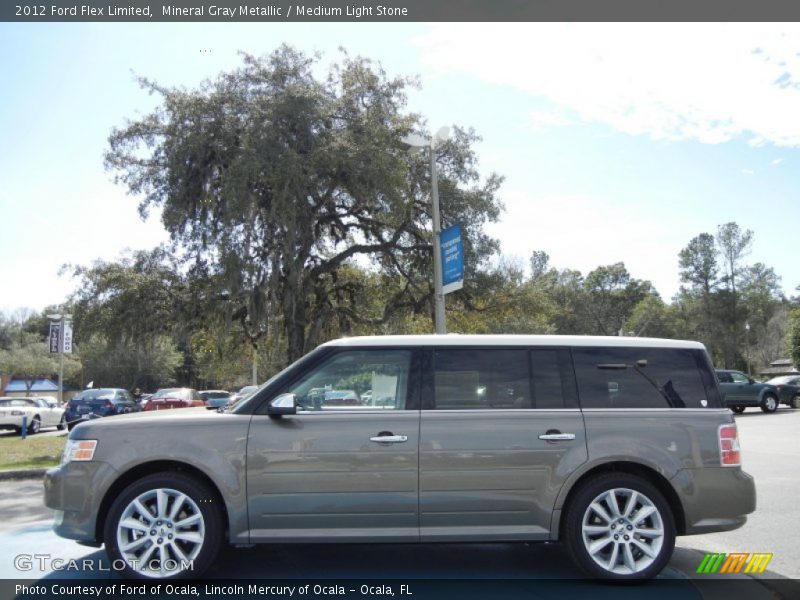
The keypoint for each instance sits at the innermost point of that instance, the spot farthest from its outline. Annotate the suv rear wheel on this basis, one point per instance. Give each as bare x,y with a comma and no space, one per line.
164,526
618,526
769,403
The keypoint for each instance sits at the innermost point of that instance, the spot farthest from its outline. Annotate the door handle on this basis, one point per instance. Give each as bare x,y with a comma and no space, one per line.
389,439
557,437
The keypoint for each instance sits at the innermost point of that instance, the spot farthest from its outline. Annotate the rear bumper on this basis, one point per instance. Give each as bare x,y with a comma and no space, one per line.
11,422
715,499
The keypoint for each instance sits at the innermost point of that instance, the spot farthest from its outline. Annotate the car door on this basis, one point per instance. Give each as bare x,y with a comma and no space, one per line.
727,387
54,413
41,408
342,471
741,390
500,433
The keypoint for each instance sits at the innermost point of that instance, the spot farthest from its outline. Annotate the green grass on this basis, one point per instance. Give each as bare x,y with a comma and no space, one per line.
34,452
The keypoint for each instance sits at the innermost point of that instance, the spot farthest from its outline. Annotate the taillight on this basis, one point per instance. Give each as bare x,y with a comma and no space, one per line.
730,453
108,404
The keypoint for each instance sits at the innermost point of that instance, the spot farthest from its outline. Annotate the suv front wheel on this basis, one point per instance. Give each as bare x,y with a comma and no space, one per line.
164,526
618,526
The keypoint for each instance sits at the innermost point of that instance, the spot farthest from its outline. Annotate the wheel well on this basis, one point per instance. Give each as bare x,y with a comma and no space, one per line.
651,476
151,468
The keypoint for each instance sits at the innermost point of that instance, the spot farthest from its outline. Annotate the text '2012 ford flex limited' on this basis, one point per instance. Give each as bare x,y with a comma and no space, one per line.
612,446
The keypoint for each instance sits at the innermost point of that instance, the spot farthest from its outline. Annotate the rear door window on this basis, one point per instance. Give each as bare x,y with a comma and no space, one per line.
553,379
724,377
481,379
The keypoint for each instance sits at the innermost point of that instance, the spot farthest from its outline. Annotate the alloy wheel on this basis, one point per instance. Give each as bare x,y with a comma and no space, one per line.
160,532
623,531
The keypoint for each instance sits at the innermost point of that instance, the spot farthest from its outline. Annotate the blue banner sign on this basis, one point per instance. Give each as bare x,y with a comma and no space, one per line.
452,259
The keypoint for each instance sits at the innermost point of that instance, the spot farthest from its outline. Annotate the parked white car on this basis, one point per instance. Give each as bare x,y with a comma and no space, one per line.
39,412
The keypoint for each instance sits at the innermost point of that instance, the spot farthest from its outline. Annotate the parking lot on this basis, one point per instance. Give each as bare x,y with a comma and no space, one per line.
771,452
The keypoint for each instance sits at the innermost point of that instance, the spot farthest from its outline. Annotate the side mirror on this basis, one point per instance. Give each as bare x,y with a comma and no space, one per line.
285,404
751,380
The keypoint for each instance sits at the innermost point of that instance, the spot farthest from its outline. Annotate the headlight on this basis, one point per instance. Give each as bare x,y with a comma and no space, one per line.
78,450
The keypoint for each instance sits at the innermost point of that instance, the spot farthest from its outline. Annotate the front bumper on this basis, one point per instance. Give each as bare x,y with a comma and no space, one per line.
715,499
75,490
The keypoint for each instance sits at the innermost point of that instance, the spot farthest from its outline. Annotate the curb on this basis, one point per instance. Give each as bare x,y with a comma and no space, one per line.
22,474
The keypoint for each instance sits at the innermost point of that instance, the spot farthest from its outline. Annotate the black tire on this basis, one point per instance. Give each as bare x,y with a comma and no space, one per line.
641,533
62,424
769,403
199,500
737,409
35,425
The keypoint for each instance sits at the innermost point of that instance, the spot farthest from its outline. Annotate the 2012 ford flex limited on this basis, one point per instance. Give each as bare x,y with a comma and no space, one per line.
612,446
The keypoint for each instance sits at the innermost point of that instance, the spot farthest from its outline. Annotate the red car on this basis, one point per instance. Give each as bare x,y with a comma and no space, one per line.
174,398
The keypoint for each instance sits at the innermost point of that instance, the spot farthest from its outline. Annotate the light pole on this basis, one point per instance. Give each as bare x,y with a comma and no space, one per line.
747,347
62,321
418,142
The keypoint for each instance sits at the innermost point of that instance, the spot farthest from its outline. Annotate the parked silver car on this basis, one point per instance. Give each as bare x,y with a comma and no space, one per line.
611,445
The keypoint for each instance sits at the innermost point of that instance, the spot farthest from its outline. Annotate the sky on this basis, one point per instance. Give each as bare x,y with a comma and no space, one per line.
618,142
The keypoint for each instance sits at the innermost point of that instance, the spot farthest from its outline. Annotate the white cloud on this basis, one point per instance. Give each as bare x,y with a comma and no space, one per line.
777,161
577,235
701,81
748,172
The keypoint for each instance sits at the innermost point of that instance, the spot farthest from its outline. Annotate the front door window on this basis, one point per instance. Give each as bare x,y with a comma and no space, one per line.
363,379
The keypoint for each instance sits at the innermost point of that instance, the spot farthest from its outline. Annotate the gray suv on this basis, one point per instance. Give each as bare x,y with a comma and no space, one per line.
612,446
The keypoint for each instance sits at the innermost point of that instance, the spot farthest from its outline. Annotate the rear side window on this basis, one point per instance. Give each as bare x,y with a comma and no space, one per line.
481,379
639,378
503,379
553,379
724,377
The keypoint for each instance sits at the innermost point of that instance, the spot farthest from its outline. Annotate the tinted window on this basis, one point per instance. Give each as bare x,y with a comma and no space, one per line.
724,377
480,379
365,379
639,378
553,379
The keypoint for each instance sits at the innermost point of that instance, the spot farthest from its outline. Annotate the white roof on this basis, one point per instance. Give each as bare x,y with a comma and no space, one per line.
456,340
